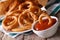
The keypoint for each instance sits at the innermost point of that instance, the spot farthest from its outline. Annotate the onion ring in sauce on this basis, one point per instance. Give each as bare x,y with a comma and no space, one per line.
44,14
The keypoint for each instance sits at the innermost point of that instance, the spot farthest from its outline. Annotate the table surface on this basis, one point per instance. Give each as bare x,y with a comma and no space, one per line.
32,36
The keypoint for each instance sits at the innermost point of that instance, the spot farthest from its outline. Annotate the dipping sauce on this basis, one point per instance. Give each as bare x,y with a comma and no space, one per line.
44,25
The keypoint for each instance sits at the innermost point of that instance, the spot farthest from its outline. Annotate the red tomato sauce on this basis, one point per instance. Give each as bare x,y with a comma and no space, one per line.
44,25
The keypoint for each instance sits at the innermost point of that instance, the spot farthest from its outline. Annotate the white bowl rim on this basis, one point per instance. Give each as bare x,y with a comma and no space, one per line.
47,28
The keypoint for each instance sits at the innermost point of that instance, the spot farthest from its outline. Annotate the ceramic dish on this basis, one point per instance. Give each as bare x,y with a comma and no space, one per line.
47,32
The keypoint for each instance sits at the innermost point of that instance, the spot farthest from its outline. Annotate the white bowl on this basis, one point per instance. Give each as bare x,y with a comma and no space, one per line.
47,32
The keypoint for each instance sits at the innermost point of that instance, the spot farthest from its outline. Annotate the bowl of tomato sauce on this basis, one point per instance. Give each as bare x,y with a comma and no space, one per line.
44,30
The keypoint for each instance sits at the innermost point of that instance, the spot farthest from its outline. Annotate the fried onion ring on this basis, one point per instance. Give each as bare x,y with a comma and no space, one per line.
44,14
10,22
25,19
26,5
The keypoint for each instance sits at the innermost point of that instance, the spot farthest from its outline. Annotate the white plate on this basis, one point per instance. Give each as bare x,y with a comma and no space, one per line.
15,32
9,33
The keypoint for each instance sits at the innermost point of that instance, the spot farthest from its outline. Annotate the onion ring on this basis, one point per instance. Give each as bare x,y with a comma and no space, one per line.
25,19
10,22
44,14
26,5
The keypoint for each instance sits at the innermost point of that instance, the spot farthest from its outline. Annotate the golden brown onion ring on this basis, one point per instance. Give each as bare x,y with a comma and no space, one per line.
25,5
25,19
44,14
10,22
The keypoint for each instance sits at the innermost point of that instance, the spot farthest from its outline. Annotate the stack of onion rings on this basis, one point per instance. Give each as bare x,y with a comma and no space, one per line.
20,17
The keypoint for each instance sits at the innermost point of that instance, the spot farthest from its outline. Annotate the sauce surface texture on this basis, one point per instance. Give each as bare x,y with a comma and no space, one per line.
44,25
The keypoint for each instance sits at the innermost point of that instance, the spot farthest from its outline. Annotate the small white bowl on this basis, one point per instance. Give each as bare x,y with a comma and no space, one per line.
47,32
